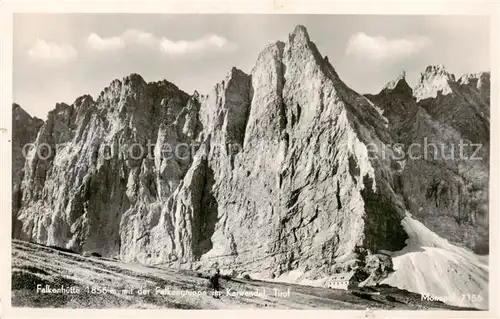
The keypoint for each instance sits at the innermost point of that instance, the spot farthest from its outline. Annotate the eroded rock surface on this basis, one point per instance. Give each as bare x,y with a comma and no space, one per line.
444,176
272,171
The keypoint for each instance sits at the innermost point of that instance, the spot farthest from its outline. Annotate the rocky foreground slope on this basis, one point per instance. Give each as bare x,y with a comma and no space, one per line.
275,171
93,282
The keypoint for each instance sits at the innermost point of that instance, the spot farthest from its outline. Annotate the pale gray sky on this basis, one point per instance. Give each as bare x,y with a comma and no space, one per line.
60,57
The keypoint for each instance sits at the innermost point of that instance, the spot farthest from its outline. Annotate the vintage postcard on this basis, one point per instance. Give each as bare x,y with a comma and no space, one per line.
249,158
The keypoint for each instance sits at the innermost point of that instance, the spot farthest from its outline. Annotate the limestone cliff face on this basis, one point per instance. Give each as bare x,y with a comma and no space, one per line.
26,129
443,184
295,196
462,104
82,193
270,172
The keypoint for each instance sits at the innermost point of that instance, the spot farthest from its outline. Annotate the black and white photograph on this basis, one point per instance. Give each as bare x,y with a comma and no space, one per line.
250,161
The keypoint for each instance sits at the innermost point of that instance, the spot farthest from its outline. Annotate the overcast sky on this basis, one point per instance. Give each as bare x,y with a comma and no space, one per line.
60,57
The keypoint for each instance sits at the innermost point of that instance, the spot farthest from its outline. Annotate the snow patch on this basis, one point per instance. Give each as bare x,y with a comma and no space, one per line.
433,267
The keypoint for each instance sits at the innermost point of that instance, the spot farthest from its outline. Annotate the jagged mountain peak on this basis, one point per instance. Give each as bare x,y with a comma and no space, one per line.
468,78
433,81
437,71
60,107
435,68
18,113
83,101
275,48
284,179
300,34
301,46
436,80
301,49
402,75
234,73
17,110
299,40
485,75
134,79
135,83
398,85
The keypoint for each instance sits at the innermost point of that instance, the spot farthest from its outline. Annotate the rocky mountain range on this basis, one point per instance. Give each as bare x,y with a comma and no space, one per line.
283,170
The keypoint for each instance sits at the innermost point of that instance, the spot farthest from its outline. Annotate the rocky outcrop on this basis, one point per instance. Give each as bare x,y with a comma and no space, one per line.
25,130
273,171
462,104
398,106
434,81
443,167
100,170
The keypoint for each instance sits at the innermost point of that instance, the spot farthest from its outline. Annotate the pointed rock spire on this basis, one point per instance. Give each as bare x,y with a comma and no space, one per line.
433,80
438,69
300,34
392,84
134,80
399,85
